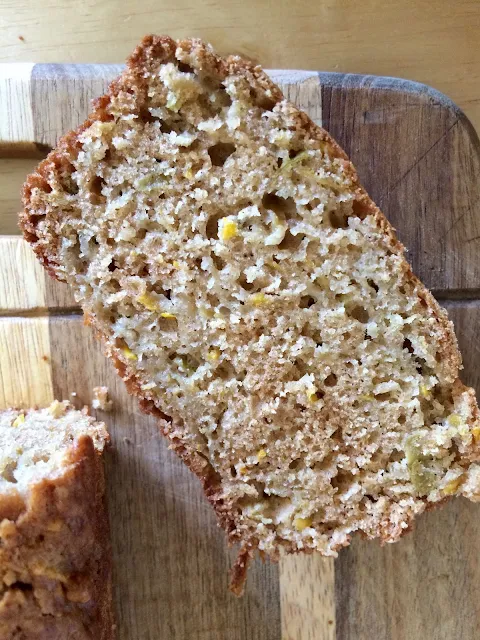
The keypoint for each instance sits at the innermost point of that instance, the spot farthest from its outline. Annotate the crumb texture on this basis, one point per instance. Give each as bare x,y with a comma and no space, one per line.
249,289
55,580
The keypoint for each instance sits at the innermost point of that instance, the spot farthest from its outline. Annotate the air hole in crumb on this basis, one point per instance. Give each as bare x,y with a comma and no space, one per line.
233,472
360,209
145,116
225,371
306,302
359,313
68,184
383,397
260,99
373,285
242,281
112,266
343,478
165,127
402,418
322,465
95,187
218,262
408,345
301,367
298,408
291,242
285,207
211,229
313,204
338,219
422,301
223,98
294,464
144,271
293,153
220,152
114,285
316,336
185,68
227,99
279,163
330,380
402,290
21,586
157,287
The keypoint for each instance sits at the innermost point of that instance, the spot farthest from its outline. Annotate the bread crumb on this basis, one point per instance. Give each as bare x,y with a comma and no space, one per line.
101,399
57,409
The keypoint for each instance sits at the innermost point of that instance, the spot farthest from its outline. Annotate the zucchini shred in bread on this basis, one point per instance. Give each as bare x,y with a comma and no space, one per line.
255,298
55,567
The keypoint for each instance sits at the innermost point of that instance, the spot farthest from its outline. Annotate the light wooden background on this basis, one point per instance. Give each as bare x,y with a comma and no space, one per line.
431,41
435,42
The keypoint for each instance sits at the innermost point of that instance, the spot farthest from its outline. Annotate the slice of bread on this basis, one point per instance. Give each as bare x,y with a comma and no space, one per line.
55,568
253,296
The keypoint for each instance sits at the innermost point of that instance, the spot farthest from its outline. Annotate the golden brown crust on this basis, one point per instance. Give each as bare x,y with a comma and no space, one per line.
132,84
55,556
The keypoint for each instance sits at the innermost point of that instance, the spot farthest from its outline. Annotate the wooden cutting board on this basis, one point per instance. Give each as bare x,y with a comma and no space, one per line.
419,157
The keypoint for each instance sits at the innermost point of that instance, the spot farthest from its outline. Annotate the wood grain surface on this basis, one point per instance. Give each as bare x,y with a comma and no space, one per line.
432,42
419,157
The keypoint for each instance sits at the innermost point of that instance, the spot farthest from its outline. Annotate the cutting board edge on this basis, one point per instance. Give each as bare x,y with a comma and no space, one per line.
17,72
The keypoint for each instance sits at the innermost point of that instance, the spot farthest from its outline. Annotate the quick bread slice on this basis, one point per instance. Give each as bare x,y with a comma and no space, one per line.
55,567
253,296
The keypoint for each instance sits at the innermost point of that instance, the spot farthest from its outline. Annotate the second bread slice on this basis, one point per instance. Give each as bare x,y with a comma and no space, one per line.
55,566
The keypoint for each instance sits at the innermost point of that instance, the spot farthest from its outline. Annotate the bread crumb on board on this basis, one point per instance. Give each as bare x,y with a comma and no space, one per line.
101,399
